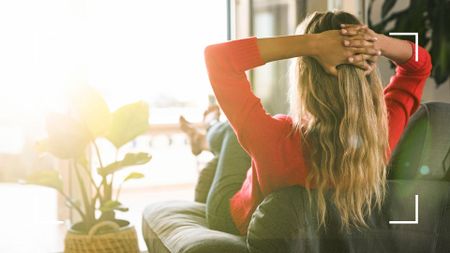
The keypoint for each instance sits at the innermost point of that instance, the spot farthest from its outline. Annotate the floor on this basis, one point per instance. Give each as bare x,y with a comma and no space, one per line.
28,220
28,215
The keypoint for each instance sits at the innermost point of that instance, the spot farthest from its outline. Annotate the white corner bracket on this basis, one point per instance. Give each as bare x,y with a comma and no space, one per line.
416,42
415,221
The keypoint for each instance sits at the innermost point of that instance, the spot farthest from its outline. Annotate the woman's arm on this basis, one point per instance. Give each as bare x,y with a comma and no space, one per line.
404,91
327,47
398,51
227,63
279,48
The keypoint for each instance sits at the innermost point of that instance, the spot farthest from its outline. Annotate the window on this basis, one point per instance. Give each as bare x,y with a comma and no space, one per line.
129,50
264,18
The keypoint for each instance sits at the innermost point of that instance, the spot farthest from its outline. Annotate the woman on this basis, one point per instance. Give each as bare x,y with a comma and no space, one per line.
341,127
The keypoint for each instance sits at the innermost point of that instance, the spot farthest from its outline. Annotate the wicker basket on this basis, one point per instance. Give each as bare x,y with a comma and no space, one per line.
121,240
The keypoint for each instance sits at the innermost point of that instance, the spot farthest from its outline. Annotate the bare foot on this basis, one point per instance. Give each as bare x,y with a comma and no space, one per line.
196,136
211,115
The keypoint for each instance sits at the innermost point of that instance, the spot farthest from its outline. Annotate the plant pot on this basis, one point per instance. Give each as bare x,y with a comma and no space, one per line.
118,239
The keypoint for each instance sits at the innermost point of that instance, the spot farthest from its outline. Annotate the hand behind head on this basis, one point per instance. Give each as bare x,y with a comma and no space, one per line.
353,44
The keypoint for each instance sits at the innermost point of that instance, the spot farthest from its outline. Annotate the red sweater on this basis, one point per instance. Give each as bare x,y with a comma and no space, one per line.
277,160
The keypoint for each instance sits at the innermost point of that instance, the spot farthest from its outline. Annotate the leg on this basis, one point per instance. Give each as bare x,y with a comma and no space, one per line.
233,163
204,181
214,138
195,135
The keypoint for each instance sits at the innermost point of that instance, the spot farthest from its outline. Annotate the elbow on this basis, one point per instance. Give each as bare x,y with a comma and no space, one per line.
210,62
428,63
210,53
425,63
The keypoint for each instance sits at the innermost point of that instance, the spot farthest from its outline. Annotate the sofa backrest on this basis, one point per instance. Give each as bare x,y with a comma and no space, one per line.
423,151
286,221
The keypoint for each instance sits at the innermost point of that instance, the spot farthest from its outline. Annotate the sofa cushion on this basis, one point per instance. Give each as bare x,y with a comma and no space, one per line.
286,222
180,226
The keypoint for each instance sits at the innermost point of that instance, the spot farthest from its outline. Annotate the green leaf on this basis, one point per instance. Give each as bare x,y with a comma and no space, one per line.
74,203
83,161
130,159
47,177
90,107
112,205
134,175
128,122
387,6
67,138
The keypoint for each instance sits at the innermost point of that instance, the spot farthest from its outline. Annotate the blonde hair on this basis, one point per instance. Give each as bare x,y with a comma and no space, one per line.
343,122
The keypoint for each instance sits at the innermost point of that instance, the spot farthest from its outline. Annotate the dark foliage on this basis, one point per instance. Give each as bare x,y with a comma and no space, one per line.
430,19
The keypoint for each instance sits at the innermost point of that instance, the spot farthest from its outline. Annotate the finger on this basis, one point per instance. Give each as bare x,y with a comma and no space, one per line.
360,65
372,59
365,50
357,43
352,30
367,30
358,31
332,70
359,60
353,25
350,59
364,66
361,36
347,31
370,69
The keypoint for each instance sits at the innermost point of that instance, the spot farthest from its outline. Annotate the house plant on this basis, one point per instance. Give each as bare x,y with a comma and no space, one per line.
72,137
430,19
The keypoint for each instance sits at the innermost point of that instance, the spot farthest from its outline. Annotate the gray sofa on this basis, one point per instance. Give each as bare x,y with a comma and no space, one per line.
285,221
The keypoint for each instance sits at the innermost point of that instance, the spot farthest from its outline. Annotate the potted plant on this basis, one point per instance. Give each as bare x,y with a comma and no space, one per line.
73,137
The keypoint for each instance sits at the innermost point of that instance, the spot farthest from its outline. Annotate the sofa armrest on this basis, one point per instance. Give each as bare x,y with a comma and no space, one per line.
423,151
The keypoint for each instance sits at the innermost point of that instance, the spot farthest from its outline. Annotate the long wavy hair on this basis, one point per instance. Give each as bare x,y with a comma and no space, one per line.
343,122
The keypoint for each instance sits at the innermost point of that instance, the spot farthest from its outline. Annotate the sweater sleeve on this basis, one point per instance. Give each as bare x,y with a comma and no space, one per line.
404,92
226,64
